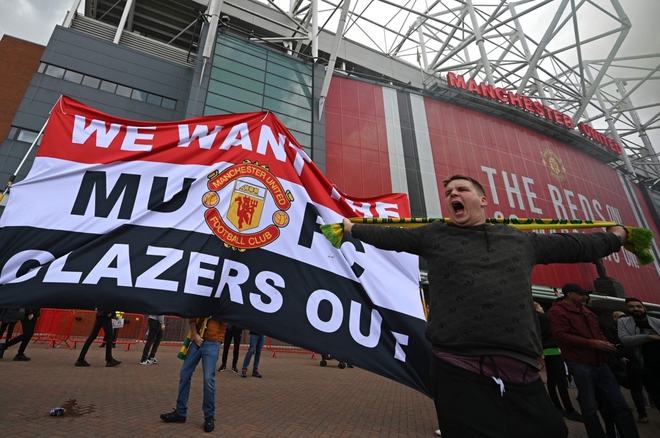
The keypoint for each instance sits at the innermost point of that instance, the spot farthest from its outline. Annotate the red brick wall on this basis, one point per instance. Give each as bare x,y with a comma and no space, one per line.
19,60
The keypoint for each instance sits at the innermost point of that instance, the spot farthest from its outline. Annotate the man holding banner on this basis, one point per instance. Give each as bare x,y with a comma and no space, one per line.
482,324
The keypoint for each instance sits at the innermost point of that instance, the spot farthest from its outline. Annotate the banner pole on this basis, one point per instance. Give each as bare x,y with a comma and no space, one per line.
13,177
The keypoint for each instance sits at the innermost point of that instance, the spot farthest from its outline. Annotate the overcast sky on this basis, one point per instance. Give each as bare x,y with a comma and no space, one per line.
34,20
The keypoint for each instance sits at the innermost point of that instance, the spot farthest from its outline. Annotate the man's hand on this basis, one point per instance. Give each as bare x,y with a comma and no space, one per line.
624,360
619,231
197,339
605,346
654,337
347,225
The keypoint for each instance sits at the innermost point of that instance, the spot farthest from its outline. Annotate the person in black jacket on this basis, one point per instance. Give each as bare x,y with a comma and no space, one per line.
29,322
555,368
103,320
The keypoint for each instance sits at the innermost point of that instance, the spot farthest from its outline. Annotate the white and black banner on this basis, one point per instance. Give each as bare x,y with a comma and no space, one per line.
217,216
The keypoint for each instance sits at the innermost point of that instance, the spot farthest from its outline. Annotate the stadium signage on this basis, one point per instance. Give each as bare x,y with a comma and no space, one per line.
533,106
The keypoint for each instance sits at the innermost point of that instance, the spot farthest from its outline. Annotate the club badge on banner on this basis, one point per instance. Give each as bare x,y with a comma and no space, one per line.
216,215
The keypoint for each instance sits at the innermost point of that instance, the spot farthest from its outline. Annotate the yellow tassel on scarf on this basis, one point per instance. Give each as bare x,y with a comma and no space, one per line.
638,242
186,343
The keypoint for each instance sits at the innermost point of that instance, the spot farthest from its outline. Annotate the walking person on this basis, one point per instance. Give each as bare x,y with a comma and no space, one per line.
9,317
478,272
256,344
103,321
155,335
232,335
28,323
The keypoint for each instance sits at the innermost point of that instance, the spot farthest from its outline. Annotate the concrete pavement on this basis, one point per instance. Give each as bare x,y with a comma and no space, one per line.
295,398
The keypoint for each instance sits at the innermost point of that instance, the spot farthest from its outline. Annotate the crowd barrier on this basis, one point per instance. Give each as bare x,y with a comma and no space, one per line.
129,334
70,327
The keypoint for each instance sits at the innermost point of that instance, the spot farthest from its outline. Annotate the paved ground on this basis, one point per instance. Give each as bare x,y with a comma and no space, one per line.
296,398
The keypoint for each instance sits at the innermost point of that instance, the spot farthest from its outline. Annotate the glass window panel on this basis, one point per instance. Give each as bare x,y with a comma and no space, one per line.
295,124
285,108
139,95
242,57
240,69
42,67
110,87
154,99
286,96
72,76
91,82
12,133
27,136
240,45
234,80
210,111
168,103
289,85
303,139
291,63
230,105
288,73
55,72
124,91
255,99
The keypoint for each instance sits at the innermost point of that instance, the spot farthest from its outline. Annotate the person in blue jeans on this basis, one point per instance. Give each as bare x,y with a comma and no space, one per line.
204,347
256,344
585,350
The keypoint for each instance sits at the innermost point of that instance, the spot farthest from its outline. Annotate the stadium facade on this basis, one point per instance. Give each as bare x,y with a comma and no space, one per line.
378,127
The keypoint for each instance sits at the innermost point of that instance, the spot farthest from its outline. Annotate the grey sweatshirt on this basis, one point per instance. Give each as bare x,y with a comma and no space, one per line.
480,281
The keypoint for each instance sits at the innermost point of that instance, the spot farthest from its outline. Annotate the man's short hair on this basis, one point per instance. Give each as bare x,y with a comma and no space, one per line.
478,187
634,299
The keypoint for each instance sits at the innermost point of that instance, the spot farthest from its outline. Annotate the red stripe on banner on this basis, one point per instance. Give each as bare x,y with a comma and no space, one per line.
78,133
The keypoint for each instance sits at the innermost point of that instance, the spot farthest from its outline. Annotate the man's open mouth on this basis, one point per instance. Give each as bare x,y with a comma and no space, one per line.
458,207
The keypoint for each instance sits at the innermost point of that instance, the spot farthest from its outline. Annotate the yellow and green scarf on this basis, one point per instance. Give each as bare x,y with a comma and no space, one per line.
186,343
638,242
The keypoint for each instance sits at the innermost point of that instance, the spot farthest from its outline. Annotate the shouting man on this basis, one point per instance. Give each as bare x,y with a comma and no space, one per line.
482,325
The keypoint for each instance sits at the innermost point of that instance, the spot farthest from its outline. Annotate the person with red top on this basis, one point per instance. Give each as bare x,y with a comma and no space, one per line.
585,350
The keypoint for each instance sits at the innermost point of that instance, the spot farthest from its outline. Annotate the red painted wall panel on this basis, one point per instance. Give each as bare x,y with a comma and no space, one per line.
506,158
357,160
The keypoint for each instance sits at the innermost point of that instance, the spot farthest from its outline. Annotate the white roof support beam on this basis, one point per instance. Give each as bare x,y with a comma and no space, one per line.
625,28
124,17
71,13
333,56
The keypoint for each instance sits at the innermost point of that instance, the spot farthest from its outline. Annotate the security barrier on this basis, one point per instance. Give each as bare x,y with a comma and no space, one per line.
128,335
282,347
176,330
54,327
60,326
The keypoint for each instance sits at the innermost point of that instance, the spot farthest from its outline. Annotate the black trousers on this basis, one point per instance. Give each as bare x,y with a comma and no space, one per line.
651,375
636,381
557,382
153,339
24,338
231,336
470,405
105,323
9,326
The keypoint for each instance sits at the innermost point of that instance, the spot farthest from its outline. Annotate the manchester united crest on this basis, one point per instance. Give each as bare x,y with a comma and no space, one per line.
554,164
255,206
